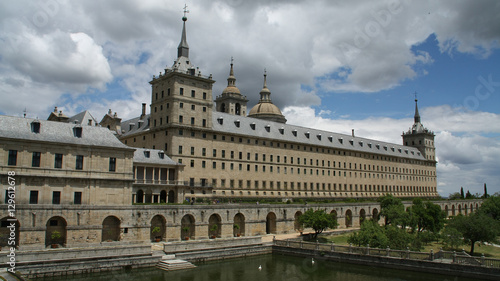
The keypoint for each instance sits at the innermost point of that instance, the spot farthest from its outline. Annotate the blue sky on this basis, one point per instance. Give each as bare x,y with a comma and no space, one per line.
335,66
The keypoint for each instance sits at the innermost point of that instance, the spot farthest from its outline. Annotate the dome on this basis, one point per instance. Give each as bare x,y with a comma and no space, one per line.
231,90
264,108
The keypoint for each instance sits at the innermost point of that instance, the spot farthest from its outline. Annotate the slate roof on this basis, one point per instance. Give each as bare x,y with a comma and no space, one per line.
254,127
83,119
154,157
125,125
57,132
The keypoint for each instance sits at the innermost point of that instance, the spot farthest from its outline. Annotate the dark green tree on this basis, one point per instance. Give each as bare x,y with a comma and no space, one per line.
468,195
491,207
370,233
454,196
426,216
478,227
462,196
485,195
452,238
318,220
391,208
399,239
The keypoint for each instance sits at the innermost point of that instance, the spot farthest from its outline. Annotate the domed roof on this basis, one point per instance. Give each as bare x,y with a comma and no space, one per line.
264,108
231,90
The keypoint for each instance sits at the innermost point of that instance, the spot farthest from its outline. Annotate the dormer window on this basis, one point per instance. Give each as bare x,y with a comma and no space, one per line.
385,147
220,120
282,130
370,145
294,132
392,148
146,154
161,154
341,140
131,126
399,149
237,123
307,134
35,127
361,143
77,131
252,126
139,123
330,138
268,128
351,142
318,136
406,151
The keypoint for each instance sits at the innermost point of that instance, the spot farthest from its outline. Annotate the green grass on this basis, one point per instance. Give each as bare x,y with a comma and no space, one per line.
487,250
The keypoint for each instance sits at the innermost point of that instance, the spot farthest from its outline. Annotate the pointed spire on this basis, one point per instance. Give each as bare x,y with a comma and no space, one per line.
183,48
265,78
265,93
231,80
417,116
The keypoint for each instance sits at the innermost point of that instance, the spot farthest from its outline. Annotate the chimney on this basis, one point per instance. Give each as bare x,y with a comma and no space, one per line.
55,109
353,133
143,110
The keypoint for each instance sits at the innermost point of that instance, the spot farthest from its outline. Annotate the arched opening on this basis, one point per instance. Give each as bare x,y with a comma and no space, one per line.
334,213
214,226
223,107
271,223
471,208
237,109
466,210
362,216
239,225
296,224
171,196
348,218
55,232
158,227
459,209
139,197
375,215
453,210
446,210
187,227
163,196
8,229
110,229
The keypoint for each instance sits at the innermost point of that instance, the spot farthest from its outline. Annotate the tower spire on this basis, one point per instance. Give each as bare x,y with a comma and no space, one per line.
231,80
417,115
183,48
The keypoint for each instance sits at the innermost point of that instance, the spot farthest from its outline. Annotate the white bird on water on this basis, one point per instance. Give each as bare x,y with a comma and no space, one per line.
260,267
312,260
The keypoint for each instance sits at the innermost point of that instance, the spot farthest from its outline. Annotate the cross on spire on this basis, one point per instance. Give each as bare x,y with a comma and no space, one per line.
415,95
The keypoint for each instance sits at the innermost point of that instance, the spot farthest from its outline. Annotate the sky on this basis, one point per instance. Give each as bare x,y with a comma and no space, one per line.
331,65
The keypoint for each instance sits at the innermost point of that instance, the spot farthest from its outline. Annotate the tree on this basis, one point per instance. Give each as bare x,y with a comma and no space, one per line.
454,196
318,220
391,208
485,192
427,216
462,196
452,238
491,207
468,195
370,233
478,227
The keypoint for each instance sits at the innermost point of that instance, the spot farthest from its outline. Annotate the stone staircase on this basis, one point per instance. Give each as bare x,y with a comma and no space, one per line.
169,263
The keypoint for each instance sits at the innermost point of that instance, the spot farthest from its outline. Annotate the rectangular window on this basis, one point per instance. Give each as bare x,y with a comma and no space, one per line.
79,162
112,164
181,119
193,93
192,150
204,95
56,197
192,120
12,157
180,149
58,161
181,91
35,160
34,197
78,198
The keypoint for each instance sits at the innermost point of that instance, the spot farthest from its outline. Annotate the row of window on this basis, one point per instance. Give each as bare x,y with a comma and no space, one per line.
56,197
181,121
311,162
305,186
181,92
58,160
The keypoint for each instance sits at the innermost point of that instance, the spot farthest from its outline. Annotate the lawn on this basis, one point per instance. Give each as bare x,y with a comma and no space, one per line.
487,250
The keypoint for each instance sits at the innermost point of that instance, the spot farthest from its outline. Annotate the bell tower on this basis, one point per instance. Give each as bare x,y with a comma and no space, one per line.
420,137
231,100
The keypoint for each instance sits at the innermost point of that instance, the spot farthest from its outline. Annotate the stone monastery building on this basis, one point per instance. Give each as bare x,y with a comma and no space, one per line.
232,152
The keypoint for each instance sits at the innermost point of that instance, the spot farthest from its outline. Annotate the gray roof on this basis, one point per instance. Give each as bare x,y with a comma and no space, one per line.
83,119
252,127
131,126
57,132
140,156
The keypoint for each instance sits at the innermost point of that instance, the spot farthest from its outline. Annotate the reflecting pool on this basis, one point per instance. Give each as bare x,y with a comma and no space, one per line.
273,268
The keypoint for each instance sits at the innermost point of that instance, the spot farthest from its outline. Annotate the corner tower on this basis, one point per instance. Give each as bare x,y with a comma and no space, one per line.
231,100
420,137
181,97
